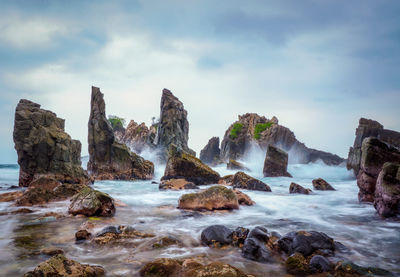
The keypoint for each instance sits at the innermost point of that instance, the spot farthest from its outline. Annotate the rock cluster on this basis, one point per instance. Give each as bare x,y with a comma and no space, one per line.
276,161
109,159
44,148
210,153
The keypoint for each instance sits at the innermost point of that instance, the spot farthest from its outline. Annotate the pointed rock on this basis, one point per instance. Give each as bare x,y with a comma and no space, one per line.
210,153
275,164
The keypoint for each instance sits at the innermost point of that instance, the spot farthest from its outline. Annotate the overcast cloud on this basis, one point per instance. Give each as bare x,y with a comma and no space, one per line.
316,65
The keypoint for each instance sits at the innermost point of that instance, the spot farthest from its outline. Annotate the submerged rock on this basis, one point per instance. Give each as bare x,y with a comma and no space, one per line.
235,165
109,159
51,251
214,198
210,153
176,184
44,148
183,165
59,265
276,161
244,181
321,184
374,154
387,193
296,188
90,202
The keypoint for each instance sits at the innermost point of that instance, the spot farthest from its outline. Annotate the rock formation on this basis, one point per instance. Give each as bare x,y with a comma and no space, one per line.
173,127
109,159
243,181
276,161
44,148
374,153
181,165
369,128
387,193
252,129
92,202
210,153
136,136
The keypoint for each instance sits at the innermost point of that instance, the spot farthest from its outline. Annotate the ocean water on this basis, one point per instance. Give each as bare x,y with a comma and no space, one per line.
371,240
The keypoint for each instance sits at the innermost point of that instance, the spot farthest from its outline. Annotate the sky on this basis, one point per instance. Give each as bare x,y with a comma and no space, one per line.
316,65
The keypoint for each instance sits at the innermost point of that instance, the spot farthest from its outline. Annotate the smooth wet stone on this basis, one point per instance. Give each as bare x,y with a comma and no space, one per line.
216,235
260,233
254,249
319,264
243,198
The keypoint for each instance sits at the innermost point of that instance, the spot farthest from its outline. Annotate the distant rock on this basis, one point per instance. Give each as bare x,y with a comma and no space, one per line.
252,129
183,165
235,165
90,202
369,128
213,198
176,184
374,153
243,181
59,265
296,188
321,184
173,127
387,193
44,148
276,161
136,136
210,153
109,159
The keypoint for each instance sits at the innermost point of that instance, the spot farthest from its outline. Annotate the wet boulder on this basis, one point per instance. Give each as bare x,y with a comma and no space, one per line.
216,235
319,264
176,184
181,164
321,184
254,247
59,265
235,165
243,181
276,161
387,193
296,188
260,233
90,202
243,198
213,198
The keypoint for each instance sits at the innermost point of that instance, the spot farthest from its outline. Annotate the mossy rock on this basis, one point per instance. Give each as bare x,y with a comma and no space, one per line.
297,265
92,202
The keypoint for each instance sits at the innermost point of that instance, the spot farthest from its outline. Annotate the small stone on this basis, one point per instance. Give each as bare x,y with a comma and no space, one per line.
82,235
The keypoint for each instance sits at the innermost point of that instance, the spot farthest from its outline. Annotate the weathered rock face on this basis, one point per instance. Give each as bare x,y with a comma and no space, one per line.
369,128
387,193
321,184
252,129
275,164
44,148
59,265
109,159
210,153
136,136
244,181
374,154
183,165
214,198
173,127
91,202
296,188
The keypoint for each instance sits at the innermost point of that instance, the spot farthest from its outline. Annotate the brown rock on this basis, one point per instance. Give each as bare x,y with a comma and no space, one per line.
243,181
90,202
296,188
235,165
51,251
387,193
82,235
10,196
176,184
243,198
275,164
226,180
321,184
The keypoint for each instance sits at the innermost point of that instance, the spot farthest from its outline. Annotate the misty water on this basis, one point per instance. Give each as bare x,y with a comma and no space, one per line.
371,241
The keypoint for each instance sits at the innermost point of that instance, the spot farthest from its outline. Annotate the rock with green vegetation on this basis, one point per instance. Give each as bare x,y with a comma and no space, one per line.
276,161
59,265
321,184
387,193
180,164
252,130
109,159
173,127
210,153
44,148
374,154
243,181
235,165
297,265
213,198
90,202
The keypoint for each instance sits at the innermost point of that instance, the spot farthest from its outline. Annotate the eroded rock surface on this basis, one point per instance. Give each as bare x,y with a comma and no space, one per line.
276,162
210,153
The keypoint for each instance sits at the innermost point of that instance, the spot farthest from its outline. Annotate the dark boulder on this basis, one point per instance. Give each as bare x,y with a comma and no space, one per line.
82,235
321,184
210,153
387,193
92,202
216,235
275,164
296,188
259,233
319,264
254,249
239,236
243,181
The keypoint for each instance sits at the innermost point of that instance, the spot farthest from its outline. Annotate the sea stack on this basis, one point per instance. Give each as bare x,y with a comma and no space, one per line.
276,162
210,153
109,159
44,149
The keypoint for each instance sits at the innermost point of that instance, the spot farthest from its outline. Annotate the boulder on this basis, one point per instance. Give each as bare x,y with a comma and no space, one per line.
296,188
51,251
44,148
369,128
90,202
243,181
109,159
173,127
214,198
254,247
181,164
235,165
319,264
216,235
243,198
387,193
253,130
162,267
321,184
210,153
275,164
176,184
59,265
374,154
